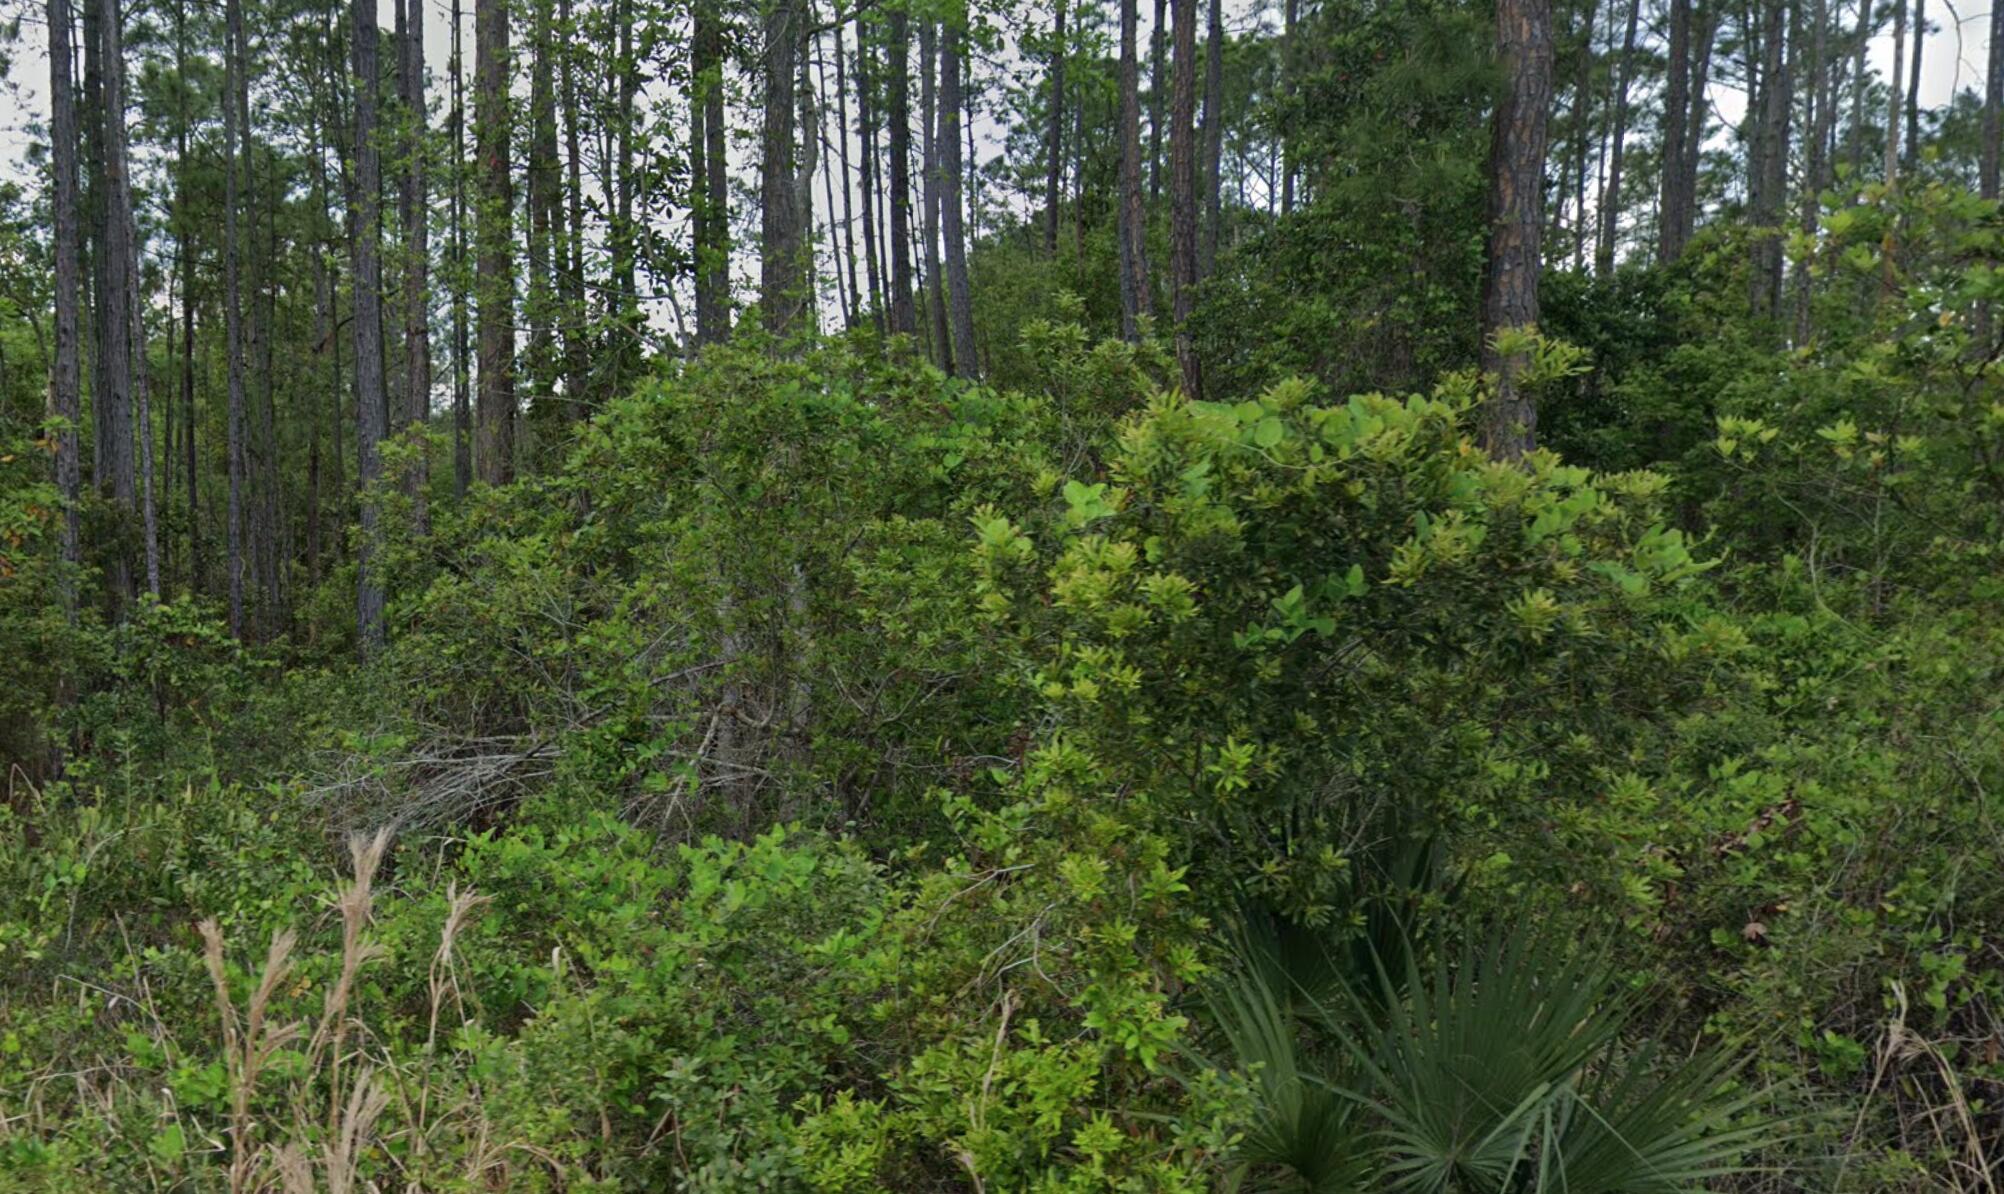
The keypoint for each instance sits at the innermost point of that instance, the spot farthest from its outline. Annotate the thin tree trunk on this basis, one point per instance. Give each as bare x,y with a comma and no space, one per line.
904,315
462,381
845,290
495,447
861,300
1676,110
712,218
957,281
118,301
1290,19
370,391
1516,192
1769,162
417,265
1054,141
866,115
1913,84
1582,89
1183,192
1610,207
66,381
119,186
935,292
540,307
233,315
1858,82
1987,171
577,349
1158,95
1816,152
1705,38
783,261
185,265
1214,138
1893,92
1133,221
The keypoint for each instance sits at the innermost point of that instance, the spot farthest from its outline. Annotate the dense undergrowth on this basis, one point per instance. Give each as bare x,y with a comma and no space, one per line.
835,777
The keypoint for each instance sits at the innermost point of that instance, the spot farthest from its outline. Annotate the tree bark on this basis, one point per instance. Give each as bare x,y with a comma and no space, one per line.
1610,206
1214,138
938,336
370,396
1158,95
1858,87
1054,141
1893,92
961,298
495,444
1183,192
1816,160
417,264
1676,110
712,195
539,308
233,313
848,199
577,336
1768,164
1581,118
783,243
1289,68
866,115
66,381
904,316
1912,153
1987,170
1516,194
184,255
1133,219
462,380
119,300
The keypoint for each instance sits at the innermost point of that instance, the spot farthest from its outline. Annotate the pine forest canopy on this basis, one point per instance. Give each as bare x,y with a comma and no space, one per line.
964,594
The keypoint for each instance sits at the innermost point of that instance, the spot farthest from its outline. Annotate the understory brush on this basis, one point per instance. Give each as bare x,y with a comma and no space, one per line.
834,776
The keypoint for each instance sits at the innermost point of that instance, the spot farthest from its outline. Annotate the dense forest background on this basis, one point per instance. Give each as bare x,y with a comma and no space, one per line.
970,595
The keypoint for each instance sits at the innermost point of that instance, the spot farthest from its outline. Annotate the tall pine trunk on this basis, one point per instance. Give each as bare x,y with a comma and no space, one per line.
712,218
370,391
1214,138
417,265
783,263
1676,111
462,379
233,320
856,294
1054,140
1133,219
1987,171
1183,192
961,298
1158,95
904,315
493,230
1912,153
1511,262
937,335
118,301
1289,68
66,381
1768,163
1610,204
872,192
